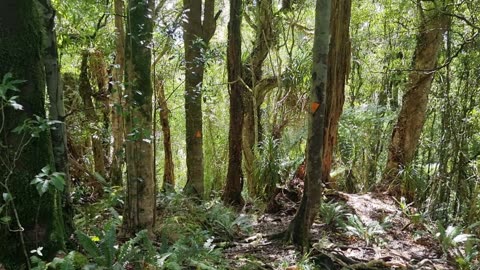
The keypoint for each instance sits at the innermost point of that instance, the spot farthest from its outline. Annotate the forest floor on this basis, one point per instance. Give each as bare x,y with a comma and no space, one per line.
384,236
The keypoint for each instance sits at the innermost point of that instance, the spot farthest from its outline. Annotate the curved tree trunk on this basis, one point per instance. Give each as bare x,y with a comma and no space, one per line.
233,189
406,132
35,221
252,75
140,201
168,168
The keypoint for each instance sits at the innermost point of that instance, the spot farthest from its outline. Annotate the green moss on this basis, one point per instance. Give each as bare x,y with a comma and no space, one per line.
21,43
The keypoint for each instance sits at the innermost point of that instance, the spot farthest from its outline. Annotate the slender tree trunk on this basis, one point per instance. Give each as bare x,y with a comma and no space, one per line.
233,189
407,130
299,228
118,156
56,108
85,89
36,221
197,34
140,201
168,168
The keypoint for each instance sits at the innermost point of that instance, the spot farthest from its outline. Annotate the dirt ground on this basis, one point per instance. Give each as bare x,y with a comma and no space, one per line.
399,244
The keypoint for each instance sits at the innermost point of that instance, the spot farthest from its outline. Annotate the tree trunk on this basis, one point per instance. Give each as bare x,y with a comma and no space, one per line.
57,109
233,189
85,89
35,221
140,200
252,74
197,34
168,168
299,229
118,157
338,69
406,132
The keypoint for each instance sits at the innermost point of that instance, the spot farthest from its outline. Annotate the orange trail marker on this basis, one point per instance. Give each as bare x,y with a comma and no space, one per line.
198,134
314,107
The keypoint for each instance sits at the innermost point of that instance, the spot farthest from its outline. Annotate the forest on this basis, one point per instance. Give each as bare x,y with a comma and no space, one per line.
239,134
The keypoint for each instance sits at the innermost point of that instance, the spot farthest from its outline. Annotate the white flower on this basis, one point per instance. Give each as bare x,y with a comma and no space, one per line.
38,251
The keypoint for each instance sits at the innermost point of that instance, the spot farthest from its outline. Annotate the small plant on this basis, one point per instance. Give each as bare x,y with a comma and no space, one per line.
460,246
369,233
102,251
333,214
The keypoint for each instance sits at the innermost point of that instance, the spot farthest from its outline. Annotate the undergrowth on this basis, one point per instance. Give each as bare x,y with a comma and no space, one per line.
189,235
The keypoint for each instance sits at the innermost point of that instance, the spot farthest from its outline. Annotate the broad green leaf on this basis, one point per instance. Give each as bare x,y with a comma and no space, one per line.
58,181
87,243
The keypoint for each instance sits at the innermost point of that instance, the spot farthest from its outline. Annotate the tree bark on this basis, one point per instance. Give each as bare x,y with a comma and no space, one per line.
118,156
140,200
168,168
85,89
233,189
338,69
197,34
299,229
408,128
57,109
252,73
35,221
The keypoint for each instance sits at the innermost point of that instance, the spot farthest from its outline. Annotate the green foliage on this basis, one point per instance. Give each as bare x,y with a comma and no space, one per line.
94,215
333,214
268,167
369,233
46,179
103,252
7,87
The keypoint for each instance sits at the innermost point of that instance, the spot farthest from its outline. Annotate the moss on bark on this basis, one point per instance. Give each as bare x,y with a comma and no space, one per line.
21,43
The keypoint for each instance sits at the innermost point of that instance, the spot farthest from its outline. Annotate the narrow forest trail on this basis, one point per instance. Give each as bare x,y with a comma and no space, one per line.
384,238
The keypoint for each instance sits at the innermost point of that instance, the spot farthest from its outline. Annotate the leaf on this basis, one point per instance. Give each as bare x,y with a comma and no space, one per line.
88,244
108,243
7,196
100,178
58,181
43,187
14,104
5,219
462,238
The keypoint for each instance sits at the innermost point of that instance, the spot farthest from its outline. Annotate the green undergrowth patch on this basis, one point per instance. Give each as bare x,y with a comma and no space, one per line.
194,233
188,235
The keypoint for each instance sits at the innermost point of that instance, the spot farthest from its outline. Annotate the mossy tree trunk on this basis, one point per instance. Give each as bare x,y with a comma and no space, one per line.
86,92
40,221
118,157
56,108
252,75
199,28
141,187
299,229
233,189
408,128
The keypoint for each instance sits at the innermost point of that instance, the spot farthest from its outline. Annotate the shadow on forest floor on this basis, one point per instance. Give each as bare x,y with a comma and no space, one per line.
378,236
